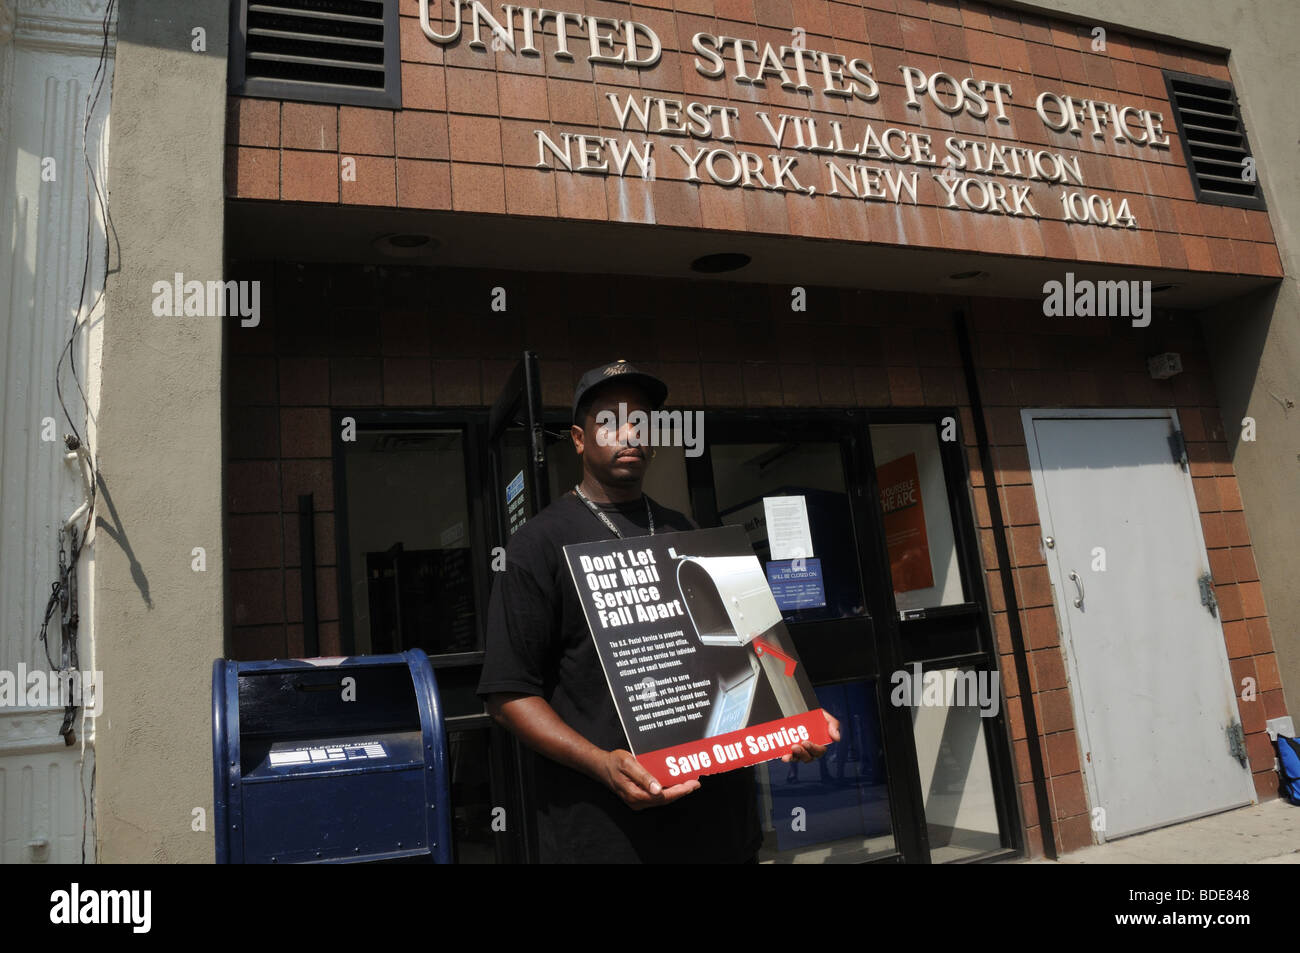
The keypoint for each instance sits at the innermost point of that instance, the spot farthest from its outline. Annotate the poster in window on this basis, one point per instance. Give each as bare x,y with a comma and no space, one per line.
900,500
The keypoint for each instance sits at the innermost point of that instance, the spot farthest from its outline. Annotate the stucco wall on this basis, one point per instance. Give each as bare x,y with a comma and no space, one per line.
160,623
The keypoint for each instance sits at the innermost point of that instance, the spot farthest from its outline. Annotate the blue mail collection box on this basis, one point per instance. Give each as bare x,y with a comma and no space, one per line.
329,760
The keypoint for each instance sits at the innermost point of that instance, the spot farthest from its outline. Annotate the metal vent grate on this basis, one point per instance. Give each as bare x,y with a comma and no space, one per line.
1214,140
341,51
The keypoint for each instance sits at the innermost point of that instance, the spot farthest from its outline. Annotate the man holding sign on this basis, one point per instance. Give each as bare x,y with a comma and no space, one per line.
543,679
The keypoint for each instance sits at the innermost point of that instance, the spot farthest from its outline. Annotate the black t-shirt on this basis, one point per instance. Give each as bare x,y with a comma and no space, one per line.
538,643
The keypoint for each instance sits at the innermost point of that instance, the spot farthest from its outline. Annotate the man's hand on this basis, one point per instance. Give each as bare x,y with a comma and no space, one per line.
811,752
536,724
635,785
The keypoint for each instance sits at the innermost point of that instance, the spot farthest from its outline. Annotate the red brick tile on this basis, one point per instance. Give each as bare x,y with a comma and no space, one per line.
477,188
1054,711
763,386
1265,785
581,196
1049,670
1235,524
738,10
416,47
1062,753
305,432
530,192
522,97
252,486
676,203
1274,704
475,139
1074,833
366,131
1221,567
371,181
307,476
721,209
408,382
309,176
1033,587
571,103
456,383
1207,495
1229,599
1252,714
1252,600
1229,493
253,542
421,135
252,173
357,381
629,199
835,384
1261,639
471,91
1215,530
1027,545
422,184
304,380
257,596
256,122
424,87
1236,635
1040,628
1260,750
905,387
252,380
1020,508
871,385
309,126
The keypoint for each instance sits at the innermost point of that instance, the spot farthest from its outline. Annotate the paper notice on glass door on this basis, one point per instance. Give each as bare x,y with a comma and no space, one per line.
788,533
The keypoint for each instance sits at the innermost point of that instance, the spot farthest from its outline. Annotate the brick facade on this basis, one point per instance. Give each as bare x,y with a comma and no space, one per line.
363,337
465,140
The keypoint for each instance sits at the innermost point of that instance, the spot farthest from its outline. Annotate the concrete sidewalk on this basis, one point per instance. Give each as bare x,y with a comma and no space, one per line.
1266,833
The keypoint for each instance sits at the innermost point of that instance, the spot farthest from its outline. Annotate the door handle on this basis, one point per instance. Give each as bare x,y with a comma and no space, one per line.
1078,585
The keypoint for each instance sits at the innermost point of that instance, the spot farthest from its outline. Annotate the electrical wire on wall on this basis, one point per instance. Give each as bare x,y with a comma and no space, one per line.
73,532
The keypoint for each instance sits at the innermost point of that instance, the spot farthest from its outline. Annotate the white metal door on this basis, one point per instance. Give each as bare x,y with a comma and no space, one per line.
1150,684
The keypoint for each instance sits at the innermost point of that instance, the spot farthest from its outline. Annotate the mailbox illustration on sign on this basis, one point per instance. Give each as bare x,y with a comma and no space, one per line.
727,598
730,605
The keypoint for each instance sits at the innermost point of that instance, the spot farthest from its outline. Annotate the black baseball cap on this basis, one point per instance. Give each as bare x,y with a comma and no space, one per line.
622,372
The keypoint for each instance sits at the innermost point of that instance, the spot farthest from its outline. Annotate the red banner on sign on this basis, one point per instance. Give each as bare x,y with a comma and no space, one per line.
736,749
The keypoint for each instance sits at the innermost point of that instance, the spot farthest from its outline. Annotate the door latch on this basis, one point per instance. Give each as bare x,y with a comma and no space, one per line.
1207,594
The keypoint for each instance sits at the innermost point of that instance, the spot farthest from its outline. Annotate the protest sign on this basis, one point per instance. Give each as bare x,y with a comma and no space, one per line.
703,673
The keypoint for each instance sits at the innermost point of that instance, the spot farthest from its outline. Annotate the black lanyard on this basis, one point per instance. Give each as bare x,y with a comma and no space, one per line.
607,521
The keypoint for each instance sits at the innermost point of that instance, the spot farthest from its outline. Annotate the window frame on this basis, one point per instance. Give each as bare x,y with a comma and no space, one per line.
471,423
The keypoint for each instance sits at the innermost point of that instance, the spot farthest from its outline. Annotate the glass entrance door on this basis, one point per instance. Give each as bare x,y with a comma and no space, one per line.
764,473
873,602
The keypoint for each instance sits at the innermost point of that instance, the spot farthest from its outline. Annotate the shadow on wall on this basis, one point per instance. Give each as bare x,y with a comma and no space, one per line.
1235,335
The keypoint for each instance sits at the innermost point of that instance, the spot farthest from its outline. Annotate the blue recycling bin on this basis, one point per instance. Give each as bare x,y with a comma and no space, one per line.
332,760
